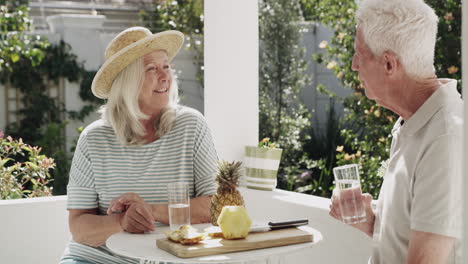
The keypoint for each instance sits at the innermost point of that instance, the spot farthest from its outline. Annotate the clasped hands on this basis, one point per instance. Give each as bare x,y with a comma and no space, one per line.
135,215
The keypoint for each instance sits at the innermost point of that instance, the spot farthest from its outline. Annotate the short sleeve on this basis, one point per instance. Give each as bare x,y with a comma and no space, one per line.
437,194
205,160
81,189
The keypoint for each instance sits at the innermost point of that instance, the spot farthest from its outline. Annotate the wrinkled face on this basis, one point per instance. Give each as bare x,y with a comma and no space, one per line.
154,94
370,70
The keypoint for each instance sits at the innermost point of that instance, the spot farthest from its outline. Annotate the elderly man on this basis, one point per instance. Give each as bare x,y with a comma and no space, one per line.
418,217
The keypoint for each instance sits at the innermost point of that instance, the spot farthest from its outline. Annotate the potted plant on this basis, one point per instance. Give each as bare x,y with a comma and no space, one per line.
261,165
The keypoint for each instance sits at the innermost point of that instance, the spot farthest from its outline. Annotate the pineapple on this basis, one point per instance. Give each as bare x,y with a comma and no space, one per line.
234,222
227,194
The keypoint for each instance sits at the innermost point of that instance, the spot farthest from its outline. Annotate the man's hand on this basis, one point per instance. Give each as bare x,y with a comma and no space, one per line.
368,226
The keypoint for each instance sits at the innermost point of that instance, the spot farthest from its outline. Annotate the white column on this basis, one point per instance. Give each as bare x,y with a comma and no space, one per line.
465,141
231,74
83,34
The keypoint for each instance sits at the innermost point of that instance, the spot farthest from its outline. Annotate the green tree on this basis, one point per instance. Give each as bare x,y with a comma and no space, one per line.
367,125
283,116
15,43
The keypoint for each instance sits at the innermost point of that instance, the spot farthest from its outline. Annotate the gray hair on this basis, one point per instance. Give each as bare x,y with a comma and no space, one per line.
122,111
406,27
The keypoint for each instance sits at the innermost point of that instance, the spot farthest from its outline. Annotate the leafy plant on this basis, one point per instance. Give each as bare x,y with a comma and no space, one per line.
266,143
52,142
24,171
321,148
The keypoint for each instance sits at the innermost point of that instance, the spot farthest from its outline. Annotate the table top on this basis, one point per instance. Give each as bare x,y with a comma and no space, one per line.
143,247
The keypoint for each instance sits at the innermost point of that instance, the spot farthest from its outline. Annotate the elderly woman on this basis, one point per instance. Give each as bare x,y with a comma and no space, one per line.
144,141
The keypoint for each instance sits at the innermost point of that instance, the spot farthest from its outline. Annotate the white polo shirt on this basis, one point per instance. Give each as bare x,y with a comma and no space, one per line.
422,188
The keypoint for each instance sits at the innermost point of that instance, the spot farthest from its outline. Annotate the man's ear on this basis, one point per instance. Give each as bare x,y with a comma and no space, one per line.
391,63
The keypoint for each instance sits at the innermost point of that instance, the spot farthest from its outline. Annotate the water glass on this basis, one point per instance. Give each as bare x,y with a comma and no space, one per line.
349,194
178,204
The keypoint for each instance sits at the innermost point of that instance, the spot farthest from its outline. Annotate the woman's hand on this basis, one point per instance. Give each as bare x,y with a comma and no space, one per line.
137,218
368,226
121,203
136,215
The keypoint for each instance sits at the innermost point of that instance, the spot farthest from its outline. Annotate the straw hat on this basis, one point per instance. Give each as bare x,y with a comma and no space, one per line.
127,47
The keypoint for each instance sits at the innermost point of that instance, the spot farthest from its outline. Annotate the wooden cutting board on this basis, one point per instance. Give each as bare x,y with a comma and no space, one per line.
215,246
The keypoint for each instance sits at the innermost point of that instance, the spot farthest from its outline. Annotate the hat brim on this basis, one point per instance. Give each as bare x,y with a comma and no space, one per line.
171,41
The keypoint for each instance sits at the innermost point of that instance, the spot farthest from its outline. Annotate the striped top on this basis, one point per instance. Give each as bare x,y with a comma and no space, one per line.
103,169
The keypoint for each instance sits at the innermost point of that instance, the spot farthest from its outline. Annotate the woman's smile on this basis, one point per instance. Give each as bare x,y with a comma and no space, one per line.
161,91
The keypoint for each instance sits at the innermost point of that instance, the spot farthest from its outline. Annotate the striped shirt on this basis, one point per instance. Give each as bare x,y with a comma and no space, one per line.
103,169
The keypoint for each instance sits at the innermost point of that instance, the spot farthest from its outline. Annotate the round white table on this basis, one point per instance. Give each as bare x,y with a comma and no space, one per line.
143,247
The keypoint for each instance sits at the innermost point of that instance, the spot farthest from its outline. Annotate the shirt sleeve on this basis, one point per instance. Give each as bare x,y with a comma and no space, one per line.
205,160
437,193
81,189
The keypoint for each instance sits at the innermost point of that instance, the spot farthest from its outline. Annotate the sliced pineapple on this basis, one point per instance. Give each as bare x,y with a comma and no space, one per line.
214,231
173,235
190,235
186,235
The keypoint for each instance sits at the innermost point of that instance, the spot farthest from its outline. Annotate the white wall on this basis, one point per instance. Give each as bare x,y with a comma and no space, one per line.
81,32
231,74
33,230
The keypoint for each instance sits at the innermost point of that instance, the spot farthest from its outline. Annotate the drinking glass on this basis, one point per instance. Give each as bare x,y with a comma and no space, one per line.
178,204
349,194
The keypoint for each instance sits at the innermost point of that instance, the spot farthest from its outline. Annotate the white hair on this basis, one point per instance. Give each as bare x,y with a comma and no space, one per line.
122,111
408,28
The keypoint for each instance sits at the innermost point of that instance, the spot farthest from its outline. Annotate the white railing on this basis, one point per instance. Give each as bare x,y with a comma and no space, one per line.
36,230
33,230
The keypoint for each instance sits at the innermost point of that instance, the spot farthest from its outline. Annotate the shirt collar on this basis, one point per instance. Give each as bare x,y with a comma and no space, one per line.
444,95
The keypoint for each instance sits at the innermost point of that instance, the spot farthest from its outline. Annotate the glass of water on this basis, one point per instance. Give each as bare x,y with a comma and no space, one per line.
178,204
349,194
